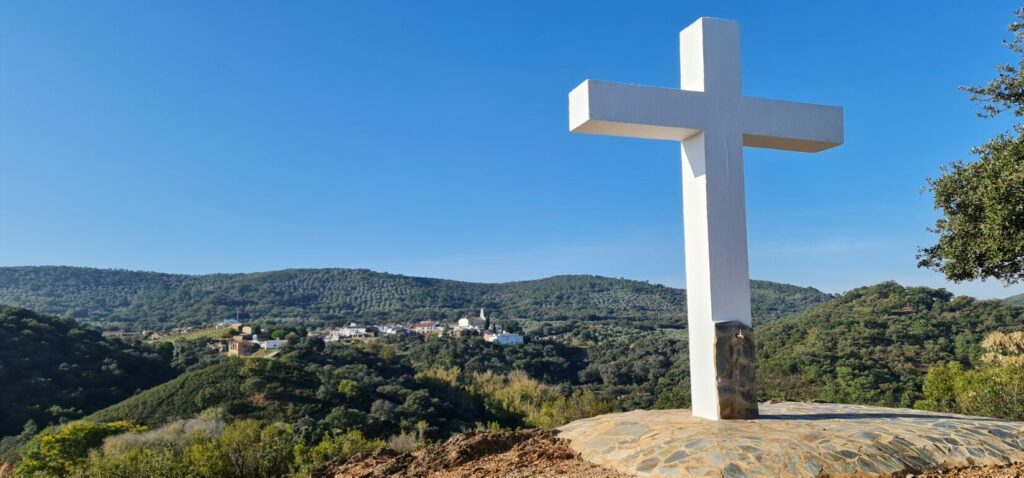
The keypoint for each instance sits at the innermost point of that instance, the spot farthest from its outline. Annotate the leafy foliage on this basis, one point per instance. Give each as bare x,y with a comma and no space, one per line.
1006,92
148,299
372,387
218,385
516,399
874,345
59,452
981,231
548,361
994,388
1004,348
56,369
203,447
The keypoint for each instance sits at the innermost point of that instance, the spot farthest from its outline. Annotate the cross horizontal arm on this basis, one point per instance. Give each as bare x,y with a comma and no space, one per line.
791,126
619,109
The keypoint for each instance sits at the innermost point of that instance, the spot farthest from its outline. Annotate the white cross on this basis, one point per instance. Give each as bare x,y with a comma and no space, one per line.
713,121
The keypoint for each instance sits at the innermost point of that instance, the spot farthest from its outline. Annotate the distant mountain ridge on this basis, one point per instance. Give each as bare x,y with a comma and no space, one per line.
1017,299
152,298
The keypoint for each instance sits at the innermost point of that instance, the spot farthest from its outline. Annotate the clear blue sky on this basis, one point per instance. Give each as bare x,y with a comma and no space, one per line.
430,138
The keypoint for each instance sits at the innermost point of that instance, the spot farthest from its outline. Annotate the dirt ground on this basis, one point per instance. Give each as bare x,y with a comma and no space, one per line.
527,453
1009,471
517,454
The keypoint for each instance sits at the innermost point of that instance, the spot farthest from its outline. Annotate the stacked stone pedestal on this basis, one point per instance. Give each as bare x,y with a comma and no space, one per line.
734,366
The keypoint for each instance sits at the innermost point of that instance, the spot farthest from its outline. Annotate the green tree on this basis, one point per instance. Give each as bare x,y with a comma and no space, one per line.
981,231
257,451
62,451
940,388
334,446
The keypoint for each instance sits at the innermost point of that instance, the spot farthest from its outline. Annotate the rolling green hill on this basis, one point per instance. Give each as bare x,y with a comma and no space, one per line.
1015,299
873,345
53,369
316,387
183,397
149,298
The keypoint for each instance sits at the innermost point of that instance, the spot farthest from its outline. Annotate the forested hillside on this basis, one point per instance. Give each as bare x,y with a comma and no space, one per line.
874,345
153,299
1015,299
379,388
53,369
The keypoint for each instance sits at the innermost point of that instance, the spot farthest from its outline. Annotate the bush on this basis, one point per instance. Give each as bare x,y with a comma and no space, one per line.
995,389
200,448
539,405
334,446
991,391
61,451
180,433
407,442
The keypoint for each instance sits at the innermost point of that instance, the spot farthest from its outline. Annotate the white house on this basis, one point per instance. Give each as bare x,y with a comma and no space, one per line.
351,331
394,330
271,344
504,338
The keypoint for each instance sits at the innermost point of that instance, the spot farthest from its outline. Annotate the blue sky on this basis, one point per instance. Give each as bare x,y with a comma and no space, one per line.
430,138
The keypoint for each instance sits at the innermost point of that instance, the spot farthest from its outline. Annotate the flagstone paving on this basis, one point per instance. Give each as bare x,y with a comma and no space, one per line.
795,439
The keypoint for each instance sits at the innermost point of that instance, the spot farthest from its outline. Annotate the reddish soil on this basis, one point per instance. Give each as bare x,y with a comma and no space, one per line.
1008,471
472,455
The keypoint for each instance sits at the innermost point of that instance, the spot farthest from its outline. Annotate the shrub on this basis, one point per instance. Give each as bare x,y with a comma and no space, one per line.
995,389
62,451
1004,349
333,446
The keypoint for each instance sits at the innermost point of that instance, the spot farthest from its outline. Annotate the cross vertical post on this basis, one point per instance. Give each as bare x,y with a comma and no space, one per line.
714,217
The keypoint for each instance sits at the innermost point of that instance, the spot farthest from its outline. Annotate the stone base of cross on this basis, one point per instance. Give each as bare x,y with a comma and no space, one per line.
713,121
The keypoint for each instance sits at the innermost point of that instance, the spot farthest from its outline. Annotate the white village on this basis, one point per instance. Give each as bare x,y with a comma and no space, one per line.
479,325
246,340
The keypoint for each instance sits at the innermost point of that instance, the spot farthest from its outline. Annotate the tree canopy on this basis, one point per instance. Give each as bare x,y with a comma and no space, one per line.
981,230
55,369
135,300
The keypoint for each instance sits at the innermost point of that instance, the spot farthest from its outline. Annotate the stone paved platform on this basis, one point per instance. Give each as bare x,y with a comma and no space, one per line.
795,439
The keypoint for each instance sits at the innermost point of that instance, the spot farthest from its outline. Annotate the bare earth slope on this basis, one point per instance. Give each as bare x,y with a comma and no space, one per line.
475,455
1009,471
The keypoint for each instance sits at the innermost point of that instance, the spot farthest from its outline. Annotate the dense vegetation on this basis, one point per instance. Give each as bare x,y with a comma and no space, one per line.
981,227
149,299
372,387
54,369
991,386
1017,299
200,447
873,345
